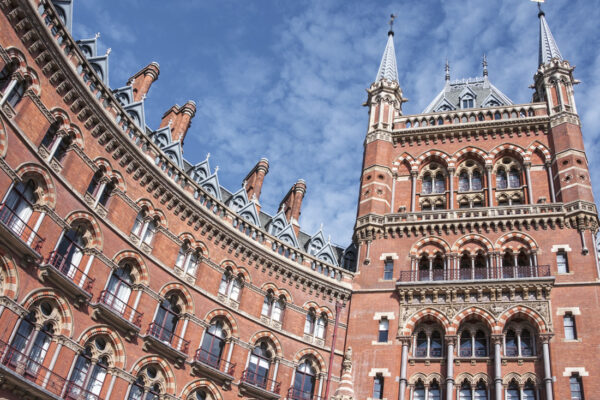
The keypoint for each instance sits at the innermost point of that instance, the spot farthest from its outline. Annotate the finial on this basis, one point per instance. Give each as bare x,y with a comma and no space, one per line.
144,98
97,35
321,228
447,70
328,238
283,207
244,184
216,169
108,51
391,23
207,156
539,5
484,64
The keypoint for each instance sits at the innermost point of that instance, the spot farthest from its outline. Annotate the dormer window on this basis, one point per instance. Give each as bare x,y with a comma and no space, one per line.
467,101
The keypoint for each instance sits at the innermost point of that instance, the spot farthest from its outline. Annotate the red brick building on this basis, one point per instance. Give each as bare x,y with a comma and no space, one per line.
129,272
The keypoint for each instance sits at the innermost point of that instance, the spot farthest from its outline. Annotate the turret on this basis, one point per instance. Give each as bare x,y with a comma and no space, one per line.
179,119
292,203
143,79
254,180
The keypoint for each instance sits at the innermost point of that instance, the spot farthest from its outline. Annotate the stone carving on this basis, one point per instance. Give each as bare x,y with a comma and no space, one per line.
347,363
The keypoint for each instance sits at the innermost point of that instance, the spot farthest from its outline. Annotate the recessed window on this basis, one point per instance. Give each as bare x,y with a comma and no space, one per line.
388,269
561,262
384,328
378,387
569,322
576,387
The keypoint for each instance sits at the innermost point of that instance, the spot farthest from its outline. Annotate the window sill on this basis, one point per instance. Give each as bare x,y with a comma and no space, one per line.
376,343
571,340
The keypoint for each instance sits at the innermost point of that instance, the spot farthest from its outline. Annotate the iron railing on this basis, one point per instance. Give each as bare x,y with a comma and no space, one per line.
76,392
215,361
20,228
297,394
166,336
120,307
462,274
255,379
71,271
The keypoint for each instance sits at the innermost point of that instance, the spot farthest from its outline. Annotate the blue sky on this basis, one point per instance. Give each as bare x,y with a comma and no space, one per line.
286,79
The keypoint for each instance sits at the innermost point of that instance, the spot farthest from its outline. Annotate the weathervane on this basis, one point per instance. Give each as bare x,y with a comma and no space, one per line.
539,4
391,23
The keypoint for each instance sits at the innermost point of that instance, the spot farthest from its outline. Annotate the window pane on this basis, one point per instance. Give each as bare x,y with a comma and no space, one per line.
388,270
569,322
561,262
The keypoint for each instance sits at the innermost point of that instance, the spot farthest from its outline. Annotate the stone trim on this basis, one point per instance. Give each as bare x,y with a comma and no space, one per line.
563,310
558,247
389,315
577,370
385,256
383,371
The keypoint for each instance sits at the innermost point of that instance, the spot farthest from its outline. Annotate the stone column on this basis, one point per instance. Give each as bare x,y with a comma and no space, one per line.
488,171
451,179
497,340
7,91
413,192
275,374
403,364
528,179
550,181
547,369
451,341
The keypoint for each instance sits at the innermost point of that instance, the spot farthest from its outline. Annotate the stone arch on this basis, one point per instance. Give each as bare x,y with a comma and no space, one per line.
9,275
151,211
278,292
235,270
414,250
142,268
272,338
540,147
226,315
434,376
434,155
188,302
518,236
66,314
427,313
485,242
405,157
466,152
525,312
419,376
482,376
117,342
478,313
201,384
162,364
507,148
464,376
75,133
81,217
327,311
42,178
312,353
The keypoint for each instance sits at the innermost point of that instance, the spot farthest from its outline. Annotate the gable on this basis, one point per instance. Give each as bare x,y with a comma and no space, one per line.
288,236
211,186
250,213
327,254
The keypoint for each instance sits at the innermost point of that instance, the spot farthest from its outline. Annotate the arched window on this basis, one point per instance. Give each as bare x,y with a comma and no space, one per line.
476,183
144,227
440,183
529,391
463,182
510,346
18,206
148,385
90,370
166,319
321,327
481,391
259,365
213,344
514,178
438,268
512,393
434,391
187,259
230,286
526,343
465,267
69,252
119,289
424,268
436,345
421,349
501,179
309,324
304,381
14,92
480,344
466,349
273,307
465,391
427,184
419,393
30,345
199,395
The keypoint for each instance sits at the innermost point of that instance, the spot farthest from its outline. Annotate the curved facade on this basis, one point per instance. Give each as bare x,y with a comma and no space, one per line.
128,272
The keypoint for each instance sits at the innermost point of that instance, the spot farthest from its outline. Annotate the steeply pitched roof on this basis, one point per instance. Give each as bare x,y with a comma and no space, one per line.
388,69
484,94
548,48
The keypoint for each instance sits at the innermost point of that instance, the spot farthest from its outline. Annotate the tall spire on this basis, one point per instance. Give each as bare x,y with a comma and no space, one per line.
447,70
548,47
388,69
484,65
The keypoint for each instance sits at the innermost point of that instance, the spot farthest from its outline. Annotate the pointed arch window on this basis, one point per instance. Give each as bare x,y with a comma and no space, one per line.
440,183
119,288
419,392
465,344
213,344
99,188
434,391
259,365
144,227
463,182
501,179
166,319
512,393
304,381
230,286
19,204
465,391
514,178
30,345
273,307
427,184
481,391
309,324
529,391
69,252
89,374
321,327
187,259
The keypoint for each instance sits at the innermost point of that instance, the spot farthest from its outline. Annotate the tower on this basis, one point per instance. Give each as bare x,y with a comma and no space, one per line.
473,229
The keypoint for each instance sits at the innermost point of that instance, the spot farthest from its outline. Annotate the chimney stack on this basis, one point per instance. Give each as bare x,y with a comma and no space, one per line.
180,120
254,180
293,203
143,79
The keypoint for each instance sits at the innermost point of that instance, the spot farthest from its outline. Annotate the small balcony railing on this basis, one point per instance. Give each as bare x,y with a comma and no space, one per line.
254,379
465,274
30,370
76,392
120,308
166,336
71,271
297,394
20,228
214,361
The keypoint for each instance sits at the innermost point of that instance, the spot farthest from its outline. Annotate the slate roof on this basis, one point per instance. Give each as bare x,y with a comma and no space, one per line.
388,69
548,47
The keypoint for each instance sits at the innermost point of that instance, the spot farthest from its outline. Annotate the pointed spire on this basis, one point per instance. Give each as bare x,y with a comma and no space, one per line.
447,71
548,47
388,69
484,64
